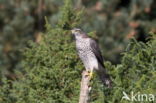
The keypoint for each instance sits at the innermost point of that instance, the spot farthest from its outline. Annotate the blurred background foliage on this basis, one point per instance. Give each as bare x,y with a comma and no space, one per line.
48,71
112,21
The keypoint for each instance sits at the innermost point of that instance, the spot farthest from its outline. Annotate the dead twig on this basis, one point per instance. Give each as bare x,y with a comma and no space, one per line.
85,88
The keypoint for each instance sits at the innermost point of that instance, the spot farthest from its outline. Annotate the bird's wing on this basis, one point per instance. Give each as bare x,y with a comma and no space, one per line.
96,51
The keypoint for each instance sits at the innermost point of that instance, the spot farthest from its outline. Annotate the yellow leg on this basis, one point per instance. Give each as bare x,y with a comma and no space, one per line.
90,74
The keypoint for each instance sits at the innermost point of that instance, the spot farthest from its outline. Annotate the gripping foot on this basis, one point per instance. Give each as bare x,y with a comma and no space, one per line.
90,74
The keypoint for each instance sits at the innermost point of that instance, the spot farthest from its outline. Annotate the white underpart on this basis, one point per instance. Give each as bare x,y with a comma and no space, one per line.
92,63
87,56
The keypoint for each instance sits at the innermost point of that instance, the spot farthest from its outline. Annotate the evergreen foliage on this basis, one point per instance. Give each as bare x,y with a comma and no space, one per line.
16,27
52,70
53,73
137,72
114,22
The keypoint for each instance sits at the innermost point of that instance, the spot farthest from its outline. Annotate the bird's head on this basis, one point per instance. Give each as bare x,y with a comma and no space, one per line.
78,33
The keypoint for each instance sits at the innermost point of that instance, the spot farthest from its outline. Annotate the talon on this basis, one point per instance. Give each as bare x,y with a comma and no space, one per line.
87,73
90,75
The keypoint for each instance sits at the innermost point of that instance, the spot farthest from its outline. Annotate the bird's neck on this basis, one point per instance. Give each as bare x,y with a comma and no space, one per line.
79,39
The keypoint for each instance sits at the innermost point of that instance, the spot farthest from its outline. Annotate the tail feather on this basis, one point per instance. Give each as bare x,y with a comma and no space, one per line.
104,77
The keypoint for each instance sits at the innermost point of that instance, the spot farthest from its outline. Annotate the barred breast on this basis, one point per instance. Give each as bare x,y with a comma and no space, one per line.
86,55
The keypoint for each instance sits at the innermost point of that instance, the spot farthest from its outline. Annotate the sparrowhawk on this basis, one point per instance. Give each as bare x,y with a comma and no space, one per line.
89,52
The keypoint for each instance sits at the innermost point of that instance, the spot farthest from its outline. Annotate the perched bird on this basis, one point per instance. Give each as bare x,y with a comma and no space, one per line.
89,52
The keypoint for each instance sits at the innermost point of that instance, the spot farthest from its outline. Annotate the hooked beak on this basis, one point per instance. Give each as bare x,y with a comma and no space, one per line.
73,31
